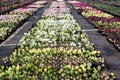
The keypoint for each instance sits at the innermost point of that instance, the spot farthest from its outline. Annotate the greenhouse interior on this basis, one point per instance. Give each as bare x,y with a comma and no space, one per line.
59,39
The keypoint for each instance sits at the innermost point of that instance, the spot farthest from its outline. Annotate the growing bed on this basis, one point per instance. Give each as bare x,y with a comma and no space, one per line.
56,49
107,24
9,22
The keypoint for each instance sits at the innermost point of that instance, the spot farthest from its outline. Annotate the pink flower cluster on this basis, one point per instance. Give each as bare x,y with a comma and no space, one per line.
57,7
37,4
30,8
79,4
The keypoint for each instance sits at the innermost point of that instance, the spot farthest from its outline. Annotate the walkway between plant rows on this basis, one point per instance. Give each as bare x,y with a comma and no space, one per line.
8,46
111,55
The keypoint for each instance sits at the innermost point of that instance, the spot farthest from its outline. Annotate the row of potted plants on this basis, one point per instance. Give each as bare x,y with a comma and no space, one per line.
106,23
55,49
10,21
29,9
